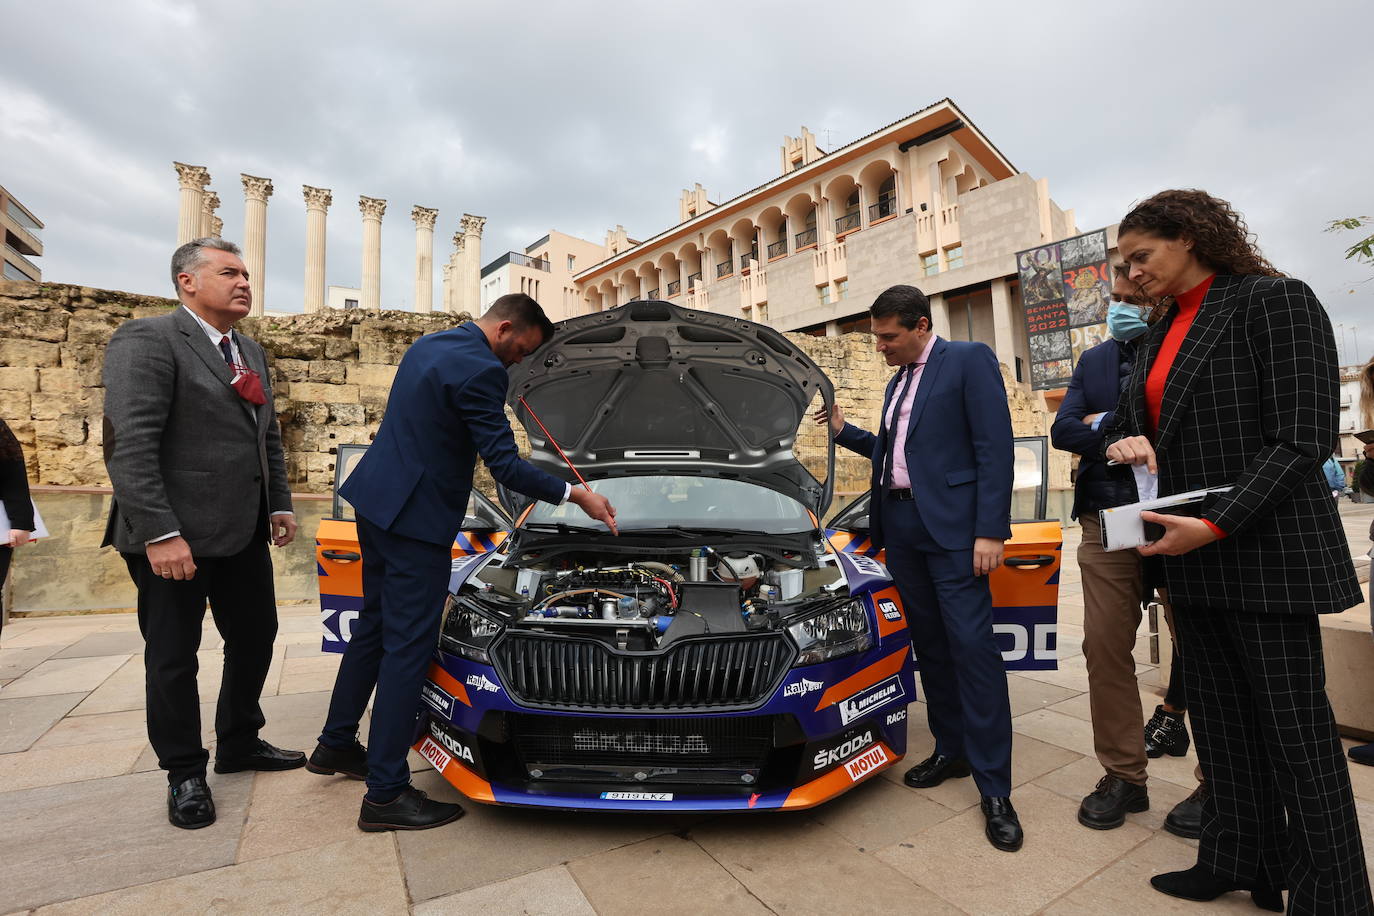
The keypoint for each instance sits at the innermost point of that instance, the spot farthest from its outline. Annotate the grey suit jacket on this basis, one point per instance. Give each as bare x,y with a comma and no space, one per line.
183,450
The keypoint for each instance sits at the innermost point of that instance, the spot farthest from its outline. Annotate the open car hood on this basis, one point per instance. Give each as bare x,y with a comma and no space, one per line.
651,388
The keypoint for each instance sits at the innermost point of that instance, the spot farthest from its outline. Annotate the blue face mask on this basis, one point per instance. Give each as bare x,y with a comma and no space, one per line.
1125,321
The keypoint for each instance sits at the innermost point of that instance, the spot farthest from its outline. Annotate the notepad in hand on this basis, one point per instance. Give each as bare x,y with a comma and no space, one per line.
1123,528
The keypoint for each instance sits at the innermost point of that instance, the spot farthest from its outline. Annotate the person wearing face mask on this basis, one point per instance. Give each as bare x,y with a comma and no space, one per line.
1237,386
1113,582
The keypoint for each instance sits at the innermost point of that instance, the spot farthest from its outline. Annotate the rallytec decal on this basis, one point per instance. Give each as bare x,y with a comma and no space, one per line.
861,704
638,796
825,758
482,682
866,763
435,754
801,688
440,701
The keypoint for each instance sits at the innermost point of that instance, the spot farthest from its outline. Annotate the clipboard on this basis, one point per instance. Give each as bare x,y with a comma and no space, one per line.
1123,528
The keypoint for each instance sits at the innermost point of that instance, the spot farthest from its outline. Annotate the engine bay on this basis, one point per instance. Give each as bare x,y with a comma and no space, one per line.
653,597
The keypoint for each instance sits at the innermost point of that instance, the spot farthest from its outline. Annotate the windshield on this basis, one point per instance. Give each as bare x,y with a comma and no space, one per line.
686,501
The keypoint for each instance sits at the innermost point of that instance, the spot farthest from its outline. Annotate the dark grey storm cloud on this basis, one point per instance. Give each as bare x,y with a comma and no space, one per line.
582,116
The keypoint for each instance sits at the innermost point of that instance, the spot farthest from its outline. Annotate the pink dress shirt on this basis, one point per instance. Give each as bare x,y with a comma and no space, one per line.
899,418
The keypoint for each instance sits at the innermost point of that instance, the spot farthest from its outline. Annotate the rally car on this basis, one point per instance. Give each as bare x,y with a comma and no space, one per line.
725,651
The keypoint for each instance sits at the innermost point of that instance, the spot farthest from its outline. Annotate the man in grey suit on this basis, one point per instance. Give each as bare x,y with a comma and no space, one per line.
194,455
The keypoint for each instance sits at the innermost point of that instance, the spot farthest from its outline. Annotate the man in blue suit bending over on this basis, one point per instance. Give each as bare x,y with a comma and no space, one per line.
410,494
942,472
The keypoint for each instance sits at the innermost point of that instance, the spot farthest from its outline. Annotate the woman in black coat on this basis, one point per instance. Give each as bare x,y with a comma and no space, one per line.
1238,387
14,494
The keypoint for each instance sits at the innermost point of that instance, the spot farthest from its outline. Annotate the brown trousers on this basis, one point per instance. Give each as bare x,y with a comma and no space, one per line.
1111,617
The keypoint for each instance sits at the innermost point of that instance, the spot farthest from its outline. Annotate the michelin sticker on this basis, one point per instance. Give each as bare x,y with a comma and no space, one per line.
440,701
861,704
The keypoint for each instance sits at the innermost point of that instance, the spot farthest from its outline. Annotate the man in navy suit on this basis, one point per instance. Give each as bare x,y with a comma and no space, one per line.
942,474
410,494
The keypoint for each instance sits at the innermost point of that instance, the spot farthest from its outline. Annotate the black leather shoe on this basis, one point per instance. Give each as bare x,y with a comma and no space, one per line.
1107,805
934,770
411,810
1185,819
326,761
1198,883
263,757
1165,733
189,805
1004,827
1362,753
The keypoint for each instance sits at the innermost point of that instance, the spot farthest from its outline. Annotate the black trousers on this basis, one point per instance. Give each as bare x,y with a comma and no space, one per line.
242,599
1279,809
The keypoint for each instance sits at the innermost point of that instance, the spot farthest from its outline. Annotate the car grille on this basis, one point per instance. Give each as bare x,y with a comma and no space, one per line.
699,750
714,673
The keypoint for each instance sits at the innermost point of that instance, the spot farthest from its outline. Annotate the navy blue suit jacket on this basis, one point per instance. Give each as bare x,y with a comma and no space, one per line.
958,447
446,407
1095,388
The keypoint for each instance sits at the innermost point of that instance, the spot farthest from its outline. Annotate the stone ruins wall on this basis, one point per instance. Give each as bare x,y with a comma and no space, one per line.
331,372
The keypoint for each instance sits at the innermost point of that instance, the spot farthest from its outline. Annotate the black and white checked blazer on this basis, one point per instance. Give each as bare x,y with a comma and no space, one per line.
1251,402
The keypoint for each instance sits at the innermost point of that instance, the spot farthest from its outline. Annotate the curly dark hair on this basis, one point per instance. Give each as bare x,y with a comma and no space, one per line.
1221,240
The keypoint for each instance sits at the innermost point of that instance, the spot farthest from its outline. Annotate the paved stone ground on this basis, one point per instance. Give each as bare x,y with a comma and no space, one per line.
83,826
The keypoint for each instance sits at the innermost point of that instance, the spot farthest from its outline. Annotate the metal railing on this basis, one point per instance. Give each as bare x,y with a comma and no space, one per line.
883,208
806,238
724,269
847,223
19,256
744,260
674,287
515,257
652,294
693,280
24,221
777,249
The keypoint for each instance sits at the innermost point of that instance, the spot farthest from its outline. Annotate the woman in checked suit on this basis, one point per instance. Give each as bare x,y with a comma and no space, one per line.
1237,387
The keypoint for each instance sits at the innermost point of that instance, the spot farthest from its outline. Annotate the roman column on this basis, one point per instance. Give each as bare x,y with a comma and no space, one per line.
208,205
216,227
317,201
255,193
192,179
454,274
372,209
470,279
424,257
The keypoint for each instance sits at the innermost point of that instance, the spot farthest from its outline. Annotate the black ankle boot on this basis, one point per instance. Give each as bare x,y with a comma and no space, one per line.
1199,883
1165,733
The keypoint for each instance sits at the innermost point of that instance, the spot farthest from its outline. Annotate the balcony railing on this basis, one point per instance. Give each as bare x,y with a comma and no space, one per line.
522,260
778,249
23,220
806,238
674,287
847,223
652,294
28,265
724,269
882,209
744,260
693,280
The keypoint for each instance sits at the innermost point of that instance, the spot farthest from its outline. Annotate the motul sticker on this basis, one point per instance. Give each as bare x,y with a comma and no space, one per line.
435,754
866,763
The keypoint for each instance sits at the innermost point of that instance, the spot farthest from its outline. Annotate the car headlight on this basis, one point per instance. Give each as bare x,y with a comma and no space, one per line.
469,631
837,632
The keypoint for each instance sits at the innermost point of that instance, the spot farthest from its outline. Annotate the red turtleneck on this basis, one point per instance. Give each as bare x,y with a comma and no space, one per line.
1188,305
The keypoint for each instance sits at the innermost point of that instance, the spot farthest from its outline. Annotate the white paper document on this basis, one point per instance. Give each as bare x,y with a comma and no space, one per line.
1146,484
1123,528
39,529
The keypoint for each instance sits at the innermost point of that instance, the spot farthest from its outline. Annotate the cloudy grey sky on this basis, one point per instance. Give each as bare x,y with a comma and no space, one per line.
579,116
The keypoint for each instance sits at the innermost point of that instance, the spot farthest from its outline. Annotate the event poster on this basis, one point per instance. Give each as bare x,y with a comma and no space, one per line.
1065,289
